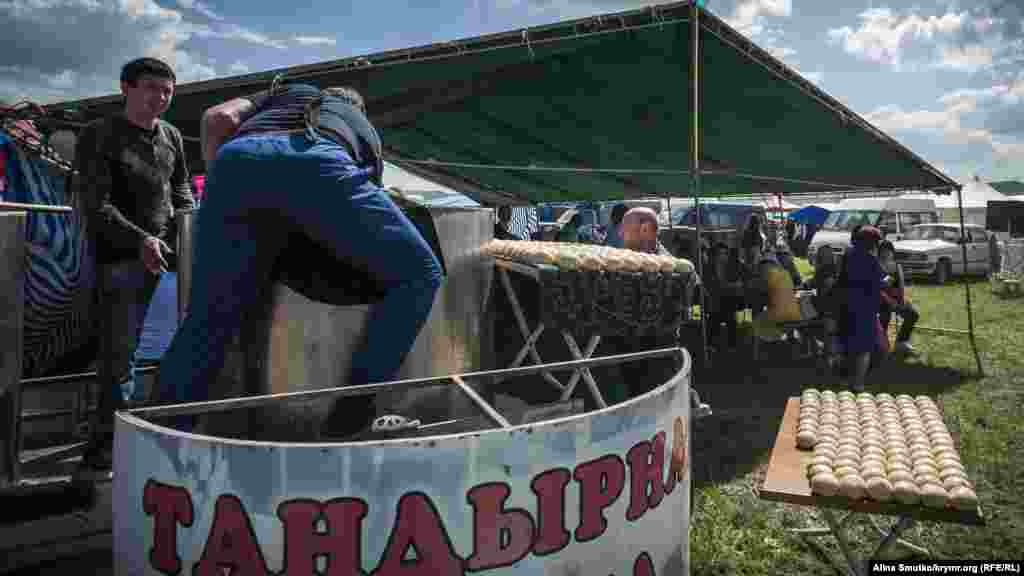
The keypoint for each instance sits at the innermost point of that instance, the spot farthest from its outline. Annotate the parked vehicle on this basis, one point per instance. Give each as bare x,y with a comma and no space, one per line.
937,250
893,216
720,222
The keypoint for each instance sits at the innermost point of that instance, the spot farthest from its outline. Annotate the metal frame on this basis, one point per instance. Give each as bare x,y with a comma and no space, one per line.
211,406
15,462
837,529
530,338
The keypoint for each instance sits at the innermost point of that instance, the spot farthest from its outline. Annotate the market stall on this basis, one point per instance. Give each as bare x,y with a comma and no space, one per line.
869,455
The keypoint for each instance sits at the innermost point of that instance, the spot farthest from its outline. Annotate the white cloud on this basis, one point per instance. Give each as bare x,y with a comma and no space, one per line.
65,49
882,36
748,16
969,125
982,37
315,41
200,8
238,67
235,32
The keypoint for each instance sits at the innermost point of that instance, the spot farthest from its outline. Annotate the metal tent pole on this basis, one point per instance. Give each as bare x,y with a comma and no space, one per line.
966,281
695,163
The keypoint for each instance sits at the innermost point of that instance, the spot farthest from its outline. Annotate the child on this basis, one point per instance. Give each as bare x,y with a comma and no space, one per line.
894,300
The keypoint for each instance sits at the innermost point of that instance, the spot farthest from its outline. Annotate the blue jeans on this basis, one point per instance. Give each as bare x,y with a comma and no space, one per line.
125,292
260,188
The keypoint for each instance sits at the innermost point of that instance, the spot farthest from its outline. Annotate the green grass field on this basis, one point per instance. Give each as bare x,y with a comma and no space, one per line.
734,532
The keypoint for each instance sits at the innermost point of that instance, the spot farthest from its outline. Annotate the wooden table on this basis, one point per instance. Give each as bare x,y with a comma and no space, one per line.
786,481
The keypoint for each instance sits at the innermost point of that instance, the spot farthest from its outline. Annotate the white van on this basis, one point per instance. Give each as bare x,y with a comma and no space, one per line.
893,216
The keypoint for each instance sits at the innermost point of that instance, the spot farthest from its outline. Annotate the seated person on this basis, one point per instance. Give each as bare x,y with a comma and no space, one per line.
785,258
894,300
502,228
614,235
781,305
724,292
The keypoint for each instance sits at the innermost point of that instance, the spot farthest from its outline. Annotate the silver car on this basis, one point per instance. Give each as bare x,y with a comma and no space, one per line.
937,250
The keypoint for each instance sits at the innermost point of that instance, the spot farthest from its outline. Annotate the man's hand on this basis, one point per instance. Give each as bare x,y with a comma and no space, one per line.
153,250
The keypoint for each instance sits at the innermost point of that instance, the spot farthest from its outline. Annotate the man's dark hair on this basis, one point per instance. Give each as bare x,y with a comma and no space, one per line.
886,246
855,233
347,94
132,71
618,212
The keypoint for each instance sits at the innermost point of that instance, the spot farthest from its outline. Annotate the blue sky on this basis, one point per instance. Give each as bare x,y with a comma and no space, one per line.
944,77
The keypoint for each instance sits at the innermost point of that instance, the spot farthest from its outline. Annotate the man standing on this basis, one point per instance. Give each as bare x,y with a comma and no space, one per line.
132,177
299,160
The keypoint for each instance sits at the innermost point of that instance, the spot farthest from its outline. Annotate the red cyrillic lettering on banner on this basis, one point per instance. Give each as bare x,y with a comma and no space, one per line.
646,476
169,506
500,537
231,548
340,542
643,565
601,483
550,490
418,526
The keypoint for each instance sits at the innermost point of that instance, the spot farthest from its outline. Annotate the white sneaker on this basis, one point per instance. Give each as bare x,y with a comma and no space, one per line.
905,348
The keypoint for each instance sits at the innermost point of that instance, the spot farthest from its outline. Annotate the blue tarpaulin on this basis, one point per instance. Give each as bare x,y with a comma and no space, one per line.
809,215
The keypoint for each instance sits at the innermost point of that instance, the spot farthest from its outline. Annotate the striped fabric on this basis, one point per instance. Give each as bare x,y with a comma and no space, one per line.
524,221
59,265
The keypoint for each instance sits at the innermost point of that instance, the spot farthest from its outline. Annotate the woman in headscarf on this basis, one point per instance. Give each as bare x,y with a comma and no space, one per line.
863,280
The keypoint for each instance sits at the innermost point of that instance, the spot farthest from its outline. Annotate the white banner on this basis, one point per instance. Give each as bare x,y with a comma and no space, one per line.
603,493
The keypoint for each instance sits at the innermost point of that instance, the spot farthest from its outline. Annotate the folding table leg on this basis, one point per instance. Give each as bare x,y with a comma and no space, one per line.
857,568
570,341
524,328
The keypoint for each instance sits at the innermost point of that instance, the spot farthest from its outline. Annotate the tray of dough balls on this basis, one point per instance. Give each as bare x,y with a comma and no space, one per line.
882,448
585,258
589,288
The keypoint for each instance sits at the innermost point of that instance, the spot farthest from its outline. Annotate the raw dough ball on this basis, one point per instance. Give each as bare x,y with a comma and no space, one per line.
852,486
895,464
845,471
825,449
806,439
950,472
869,472
872,459
939,440
828,432
927,478
843,461
879,488
816,469
946,452
825,484
821,459
963,498
828,394
848,453
944,463
952,482
906,492
934,495
872,447
900,476
922,468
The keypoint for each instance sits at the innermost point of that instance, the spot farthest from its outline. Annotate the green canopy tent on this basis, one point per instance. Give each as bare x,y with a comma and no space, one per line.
663,101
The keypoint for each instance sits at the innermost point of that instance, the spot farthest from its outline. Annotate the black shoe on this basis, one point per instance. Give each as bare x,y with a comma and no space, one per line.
349,417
